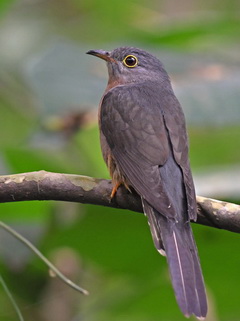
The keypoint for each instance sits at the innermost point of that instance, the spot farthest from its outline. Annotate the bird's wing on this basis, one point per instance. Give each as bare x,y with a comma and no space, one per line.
149,144
138,139
175,124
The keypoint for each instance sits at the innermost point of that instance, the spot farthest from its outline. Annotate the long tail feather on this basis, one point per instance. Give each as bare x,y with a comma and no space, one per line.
176,239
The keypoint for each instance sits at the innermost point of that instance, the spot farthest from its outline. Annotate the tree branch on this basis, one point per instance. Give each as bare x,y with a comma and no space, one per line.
44,185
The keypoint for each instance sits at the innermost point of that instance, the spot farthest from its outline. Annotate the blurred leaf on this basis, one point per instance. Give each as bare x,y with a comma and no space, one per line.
88,141
197,34
34,211
4,5
14,125
214,146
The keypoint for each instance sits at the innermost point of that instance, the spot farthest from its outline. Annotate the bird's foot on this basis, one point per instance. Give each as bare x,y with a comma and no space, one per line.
114,190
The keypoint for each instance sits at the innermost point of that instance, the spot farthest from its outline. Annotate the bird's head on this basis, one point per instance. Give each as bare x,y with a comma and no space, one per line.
129,64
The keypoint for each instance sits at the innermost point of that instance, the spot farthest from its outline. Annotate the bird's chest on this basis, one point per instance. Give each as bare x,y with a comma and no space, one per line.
113,168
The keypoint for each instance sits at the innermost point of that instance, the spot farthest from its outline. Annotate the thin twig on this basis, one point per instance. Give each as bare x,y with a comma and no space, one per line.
11,298
43,258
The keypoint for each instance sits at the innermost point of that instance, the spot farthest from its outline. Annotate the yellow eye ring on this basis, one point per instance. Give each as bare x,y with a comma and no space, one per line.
130,61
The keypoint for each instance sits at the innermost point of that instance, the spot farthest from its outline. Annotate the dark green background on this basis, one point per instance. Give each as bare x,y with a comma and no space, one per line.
108,251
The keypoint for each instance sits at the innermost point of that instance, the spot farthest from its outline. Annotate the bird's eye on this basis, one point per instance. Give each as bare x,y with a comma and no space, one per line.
130,61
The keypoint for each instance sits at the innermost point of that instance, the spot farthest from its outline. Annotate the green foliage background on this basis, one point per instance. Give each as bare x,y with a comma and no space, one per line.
113,251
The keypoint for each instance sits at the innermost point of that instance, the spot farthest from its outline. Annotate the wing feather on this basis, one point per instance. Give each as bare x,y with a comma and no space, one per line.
149,143
139,143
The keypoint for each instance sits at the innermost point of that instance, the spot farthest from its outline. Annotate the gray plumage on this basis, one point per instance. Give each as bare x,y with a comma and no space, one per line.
143,130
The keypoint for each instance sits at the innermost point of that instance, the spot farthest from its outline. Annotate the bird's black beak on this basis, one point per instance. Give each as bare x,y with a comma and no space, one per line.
101,54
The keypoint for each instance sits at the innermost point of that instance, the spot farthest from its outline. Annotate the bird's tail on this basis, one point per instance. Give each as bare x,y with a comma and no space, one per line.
175,239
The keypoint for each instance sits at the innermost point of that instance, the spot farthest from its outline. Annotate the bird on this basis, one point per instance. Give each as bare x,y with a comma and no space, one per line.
145,146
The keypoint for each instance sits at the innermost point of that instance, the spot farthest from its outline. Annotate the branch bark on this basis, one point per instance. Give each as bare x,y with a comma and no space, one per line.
44,185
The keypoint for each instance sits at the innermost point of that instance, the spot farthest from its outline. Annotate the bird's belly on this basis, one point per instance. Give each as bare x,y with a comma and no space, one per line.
116,174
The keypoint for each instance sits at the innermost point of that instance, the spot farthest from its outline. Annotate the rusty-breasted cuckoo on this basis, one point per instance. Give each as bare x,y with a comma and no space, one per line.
145,146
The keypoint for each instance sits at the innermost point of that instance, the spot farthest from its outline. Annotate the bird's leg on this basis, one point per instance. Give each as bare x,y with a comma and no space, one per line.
116,186
114,189
117,177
